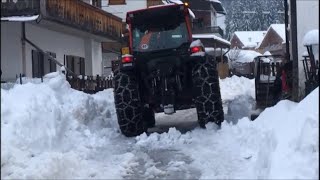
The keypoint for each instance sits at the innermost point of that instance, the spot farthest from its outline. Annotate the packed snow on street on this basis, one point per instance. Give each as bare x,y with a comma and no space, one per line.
49,130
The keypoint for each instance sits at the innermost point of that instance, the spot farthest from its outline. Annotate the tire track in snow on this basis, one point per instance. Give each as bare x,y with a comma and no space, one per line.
161,164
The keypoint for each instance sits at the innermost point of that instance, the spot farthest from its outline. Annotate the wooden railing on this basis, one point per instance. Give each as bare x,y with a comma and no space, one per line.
154,2
74,13
84,16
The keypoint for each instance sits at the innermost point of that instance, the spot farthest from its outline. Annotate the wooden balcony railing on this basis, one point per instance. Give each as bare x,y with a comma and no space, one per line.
82,15
154,2
73,13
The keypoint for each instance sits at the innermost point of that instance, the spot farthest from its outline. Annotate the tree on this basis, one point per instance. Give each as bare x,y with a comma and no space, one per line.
252,15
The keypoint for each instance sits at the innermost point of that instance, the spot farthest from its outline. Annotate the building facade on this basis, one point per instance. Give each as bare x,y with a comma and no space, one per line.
307,20
274,41
57,32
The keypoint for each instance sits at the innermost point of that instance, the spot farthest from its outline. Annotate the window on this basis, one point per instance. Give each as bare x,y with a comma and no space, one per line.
117,2
42,64
96,3
153,38
75,64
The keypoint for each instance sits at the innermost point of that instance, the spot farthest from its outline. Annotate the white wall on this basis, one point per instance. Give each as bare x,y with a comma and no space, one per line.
96,58
213,16
307,19
93,57
107,58
121,10
11,56
56,42
220,22
48,40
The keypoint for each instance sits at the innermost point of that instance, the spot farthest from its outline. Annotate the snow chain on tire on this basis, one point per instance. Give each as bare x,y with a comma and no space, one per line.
206,89
128,104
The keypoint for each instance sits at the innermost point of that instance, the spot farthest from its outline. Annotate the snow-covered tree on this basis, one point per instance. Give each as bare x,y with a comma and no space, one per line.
252,15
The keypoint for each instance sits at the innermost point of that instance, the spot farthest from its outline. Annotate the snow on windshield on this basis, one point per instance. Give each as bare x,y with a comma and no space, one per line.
49,130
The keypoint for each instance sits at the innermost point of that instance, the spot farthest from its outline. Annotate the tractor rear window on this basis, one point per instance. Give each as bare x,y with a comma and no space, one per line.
152,38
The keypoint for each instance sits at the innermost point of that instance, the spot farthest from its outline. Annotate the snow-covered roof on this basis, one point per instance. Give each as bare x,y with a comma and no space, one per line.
311,38
217,1
250,39
215,51
172,1
210,36
20,18
280,30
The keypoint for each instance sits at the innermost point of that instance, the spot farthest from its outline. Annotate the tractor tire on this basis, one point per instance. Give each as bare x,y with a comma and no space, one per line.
206,92
128,105
149,117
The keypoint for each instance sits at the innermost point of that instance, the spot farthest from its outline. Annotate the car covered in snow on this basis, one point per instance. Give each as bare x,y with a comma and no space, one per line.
163,70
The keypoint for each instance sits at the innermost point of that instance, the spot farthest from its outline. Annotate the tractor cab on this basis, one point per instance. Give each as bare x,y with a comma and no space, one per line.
159,28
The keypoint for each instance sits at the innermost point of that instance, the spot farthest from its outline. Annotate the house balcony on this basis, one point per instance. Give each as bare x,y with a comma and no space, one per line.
207,30
73,13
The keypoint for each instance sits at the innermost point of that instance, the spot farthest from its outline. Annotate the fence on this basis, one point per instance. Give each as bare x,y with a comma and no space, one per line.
90,84
87,84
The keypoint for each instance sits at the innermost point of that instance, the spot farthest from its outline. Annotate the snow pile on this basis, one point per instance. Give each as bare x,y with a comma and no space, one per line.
233,87
20,18
245,56
295,128
50,131
311,38
280,144
267,53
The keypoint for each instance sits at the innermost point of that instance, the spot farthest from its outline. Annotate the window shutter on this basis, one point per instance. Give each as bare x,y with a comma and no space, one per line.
46,64
53,66
35,64
117,2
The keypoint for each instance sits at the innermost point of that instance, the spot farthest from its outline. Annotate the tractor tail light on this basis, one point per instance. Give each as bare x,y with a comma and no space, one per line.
127,58
196,49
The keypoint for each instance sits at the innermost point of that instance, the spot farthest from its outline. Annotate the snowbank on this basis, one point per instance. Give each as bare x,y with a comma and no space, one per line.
20,18
246,56
282,143
49,130
233,87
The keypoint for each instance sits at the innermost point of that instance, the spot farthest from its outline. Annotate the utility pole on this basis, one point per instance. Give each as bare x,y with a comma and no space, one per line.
286,22
294,50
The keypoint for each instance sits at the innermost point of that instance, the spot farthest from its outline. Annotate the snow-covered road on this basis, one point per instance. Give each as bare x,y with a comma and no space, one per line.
49,130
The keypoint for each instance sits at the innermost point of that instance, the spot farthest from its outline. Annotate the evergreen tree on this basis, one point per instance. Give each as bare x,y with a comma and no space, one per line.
252,15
